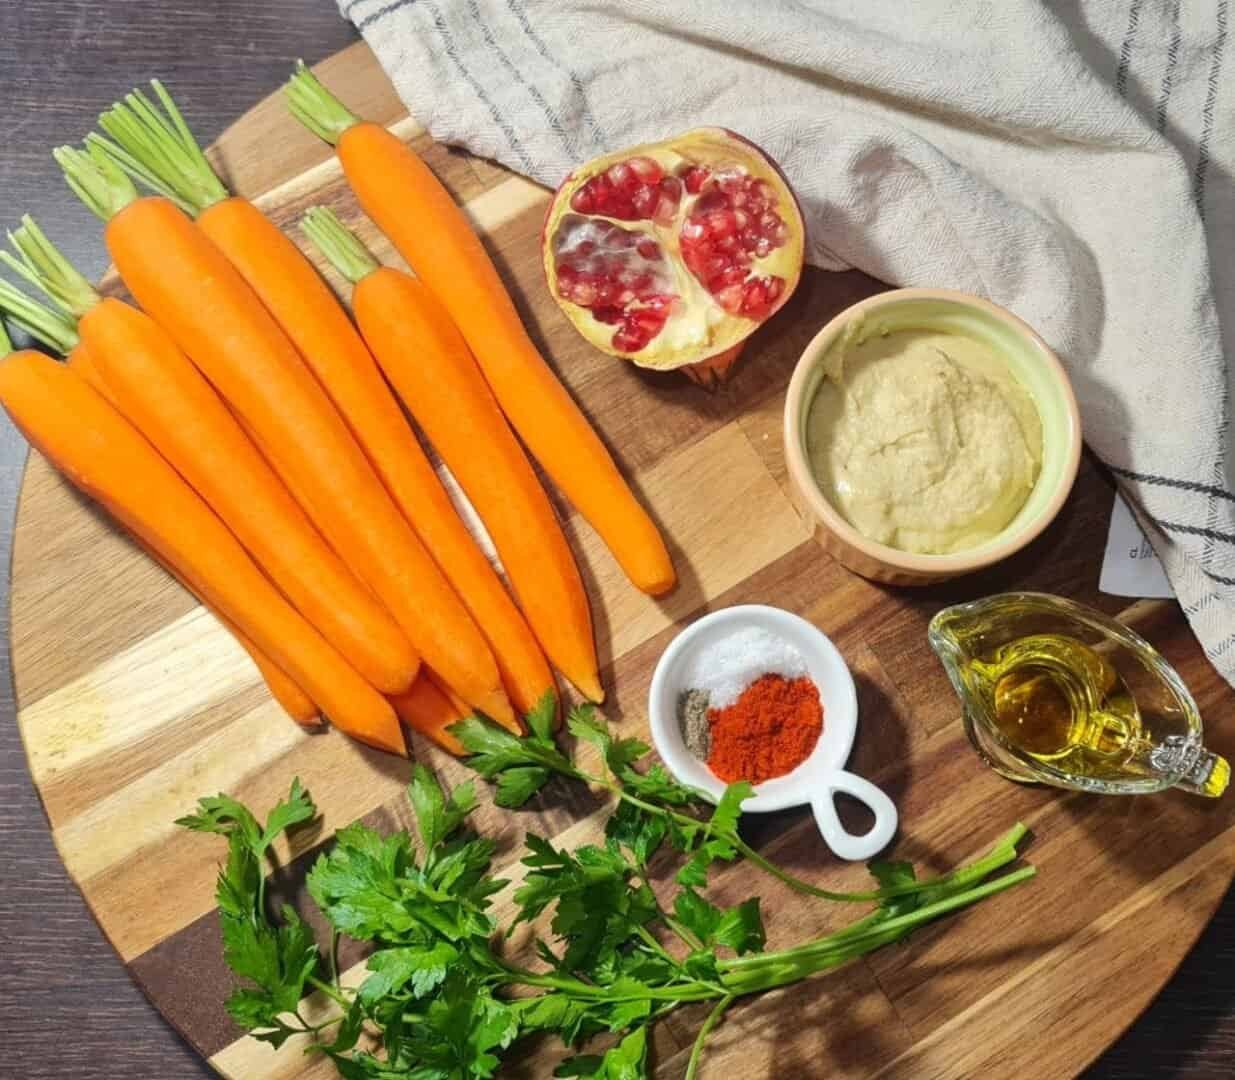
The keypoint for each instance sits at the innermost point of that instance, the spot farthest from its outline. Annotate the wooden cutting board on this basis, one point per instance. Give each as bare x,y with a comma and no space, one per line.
133,702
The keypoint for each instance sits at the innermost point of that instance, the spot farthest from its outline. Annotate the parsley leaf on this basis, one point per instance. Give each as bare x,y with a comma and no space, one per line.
891,875
619,754
277,959
462,1026
639,832
543,717
516,785
724,820
521,765
436,816
417,968
739,928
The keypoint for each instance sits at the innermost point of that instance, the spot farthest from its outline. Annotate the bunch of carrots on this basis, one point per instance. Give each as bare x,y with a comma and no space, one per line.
250,436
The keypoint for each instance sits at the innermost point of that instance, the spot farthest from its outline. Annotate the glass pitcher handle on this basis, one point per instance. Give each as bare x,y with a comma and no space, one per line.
1208,776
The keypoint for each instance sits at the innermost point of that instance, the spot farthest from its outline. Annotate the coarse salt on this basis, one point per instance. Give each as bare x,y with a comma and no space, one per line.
728,666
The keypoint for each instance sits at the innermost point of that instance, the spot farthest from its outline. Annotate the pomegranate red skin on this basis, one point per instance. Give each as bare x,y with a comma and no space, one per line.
712,365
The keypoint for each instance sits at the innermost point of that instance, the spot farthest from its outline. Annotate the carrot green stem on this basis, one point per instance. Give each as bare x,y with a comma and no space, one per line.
42,264
316,107
156,148
341,246
95,179
6,342
57,331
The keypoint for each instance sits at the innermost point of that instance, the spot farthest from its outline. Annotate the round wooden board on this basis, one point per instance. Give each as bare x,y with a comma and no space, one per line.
133,702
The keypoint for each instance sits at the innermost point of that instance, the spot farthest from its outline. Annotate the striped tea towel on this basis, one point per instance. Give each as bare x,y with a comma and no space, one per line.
1073,161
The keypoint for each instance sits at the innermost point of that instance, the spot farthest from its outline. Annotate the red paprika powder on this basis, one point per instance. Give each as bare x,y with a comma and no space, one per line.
767,732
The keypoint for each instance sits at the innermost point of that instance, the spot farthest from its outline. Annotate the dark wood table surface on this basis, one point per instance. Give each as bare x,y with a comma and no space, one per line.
67,1009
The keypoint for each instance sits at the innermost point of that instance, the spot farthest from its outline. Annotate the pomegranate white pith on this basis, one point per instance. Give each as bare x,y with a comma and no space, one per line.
671,253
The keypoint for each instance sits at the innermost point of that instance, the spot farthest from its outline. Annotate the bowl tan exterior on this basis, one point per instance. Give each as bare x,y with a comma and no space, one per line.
878,561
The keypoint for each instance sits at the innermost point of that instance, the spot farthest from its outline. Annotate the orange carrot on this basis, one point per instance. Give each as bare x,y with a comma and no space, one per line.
410,205
157,147
108,459
428,709
182,279
170,402
310,314
59,332
428,363
283,688
125,355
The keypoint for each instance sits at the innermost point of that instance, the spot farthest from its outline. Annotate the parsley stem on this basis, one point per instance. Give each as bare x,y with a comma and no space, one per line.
325,987
649,939
718,1010
684,932
763,971
1003,852
692,991
334,957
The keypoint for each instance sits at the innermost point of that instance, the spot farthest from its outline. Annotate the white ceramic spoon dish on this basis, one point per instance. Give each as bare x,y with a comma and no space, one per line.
822,775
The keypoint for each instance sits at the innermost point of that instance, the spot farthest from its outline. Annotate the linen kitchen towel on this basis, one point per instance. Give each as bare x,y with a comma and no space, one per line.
1073,161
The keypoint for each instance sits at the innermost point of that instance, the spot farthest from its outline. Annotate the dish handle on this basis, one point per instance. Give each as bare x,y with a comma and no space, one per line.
844,843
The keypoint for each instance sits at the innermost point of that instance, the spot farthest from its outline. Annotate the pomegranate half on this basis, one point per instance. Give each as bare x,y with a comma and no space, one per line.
672,254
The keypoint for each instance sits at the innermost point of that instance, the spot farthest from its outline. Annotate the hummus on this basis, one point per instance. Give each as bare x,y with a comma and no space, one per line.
923,440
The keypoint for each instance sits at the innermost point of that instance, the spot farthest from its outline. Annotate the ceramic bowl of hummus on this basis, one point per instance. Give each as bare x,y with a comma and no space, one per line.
928,434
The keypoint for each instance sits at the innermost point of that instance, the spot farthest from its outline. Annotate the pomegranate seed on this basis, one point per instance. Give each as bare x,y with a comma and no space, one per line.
730,298
721,223
754,296
693,229
694,178
619,174
582,200
646,169
621,275
666,210
672,187
768,223
644,201
762,247
625,339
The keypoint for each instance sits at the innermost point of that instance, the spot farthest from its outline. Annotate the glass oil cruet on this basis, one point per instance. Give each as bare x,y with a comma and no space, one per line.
1056,693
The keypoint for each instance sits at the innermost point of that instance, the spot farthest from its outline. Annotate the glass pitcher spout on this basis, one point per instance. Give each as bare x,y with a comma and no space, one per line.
1209,776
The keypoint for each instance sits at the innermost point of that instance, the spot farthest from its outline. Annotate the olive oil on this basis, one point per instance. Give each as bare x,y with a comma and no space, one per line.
1060,701
1053,692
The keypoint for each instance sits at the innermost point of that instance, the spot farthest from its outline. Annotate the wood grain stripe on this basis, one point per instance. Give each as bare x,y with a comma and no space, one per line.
170,675
1034,1000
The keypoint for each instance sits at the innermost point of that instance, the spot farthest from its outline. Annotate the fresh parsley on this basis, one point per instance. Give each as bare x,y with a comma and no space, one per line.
441,999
